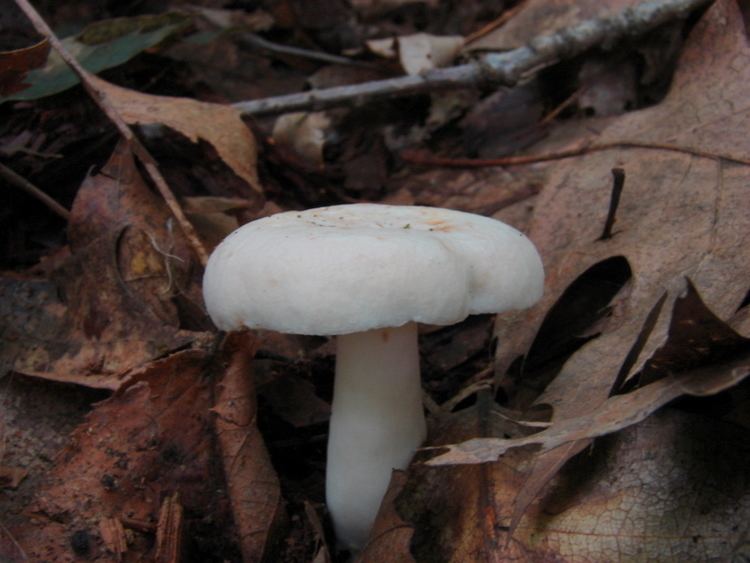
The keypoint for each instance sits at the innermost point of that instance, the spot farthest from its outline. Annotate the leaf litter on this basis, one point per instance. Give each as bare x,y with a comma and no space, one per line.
680,216
120,309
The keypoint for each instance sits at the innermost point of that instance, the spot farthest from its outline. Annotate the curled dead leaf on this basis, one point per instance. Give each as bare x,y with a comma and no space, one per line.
219,125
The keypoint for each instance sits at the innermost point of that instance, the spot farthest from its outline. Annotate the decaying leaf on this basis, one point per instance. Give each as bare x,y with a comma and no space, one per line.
214,217
219,125
674,484
304,134
148,441
681,215
109,306
390,536
422,52
15,66
103,45
696,337
419,52
253,485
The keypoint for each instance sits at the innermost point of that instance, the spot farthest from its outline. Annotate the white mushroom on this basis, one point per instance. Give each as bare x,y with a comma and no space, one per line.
368,273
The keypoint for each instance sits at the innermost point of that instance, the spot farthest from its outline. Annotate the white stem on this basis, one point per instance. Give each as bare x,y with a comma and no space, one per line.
377,423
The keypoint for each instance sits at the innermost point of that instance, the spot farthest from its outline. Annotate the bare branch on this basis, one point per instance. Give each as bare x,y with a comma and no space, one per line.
19,181
493,68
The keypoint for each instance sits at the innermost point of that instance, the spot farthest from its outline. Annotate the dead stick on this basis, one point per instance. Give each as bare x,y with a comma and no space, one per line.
19,181
422,158
136,146
490,69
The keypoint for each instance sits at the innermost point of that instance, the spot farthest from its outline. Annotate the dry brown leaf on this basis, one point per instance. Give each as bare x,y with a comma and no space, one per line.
390,536
695,337
219,125
614,414
460,513
675,485
680,216
253,485
16,64
110,306
146,442
484,191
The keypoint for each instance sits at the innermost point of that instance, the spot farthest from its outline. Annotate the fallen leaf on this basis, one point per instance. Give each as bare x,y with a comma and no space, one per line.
421,52
483,191
390,536
303,134
253,485
15,66
614,414
418,52
219,125
675,483
104,44
110,306
680,215
148,441
214,217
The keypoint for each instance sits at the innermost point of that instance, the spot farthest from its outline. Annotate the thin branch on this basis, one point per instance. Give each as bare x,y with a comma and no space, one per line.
139,150
504,18
20,182
256,40
506,69
423,158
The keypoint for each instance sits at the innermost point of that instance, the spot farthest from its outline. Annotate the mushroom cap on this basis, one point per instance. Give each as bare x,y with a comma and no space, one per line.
350,268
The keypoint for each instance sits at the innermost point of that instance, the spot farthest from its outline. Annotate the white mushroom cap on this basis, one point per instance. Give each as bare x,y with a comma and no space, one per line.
350,268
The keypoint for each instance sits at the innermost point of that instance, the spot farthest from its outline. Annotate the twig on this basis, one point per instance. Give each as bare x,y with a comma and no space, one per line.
494,68
257,41
139,150
20,182
504,18
420,157
618,176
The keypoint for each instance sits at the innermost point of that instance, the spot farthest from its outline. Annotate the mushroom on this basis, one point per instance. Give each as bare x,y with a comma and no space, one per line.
368,273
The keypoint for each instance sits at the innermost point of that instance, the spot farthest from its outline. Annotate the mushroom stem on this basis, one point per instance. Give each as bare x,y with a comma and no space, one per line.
377,423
